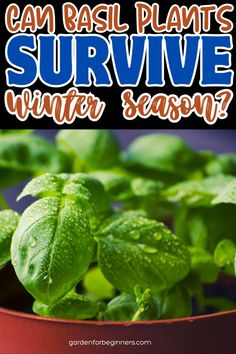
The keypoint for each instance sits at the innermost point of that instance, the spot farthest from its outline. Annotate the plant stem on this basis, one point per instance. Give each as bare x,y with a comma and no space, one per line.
3,202
138,313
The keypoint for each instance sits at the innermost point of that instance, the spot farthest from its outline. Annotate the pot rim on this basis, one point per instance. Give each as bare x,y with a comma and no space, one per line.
27,316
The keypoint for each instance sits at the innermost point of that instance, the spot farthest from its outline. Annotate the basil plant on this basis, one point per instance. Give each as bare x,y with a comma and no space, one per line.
118,235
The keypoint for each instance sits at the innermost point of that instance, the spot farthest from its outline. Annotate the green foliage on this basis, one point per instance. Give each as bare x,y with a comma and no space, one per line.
199,193
205,227
163,156
203,264
173,303
24,155
14,131
88,189
8,223
52,247
225,255
227,195
136,193
135,250
72,306
96,285
121,308
117,185
90,149
223,164
100,231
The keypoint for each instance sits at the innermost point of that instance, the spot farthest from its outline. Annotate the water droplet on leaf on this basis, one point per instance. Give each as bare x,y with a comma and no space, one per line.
32,241
147,249
158,236
134,235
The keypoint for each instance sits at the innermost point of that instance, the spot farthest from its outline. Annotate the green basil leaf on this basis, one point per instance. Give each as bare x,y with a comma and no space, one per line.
72,307
90,149
147,196
42,186
8,223
225,255
203,264
166,156
99,197
227,195
52,247
198,193
116,214
22,155
135,250
174,303
95,284
121,308
143,187
117,186
205,227
224,164
83,186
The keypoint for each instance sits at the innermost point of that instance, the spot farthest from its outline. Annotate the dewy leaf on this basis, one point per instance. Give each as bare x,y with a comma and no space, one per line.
203,264
8,223
22,155
90,149
198,193
72,306
227,195
96,284
162,153
119,213
134,250
83,186
52,247
224,255
99,197
43,186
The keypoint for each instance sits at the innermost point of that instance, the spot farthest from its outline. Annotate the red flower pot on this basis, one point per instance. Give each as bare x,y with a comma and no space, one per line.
210,334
